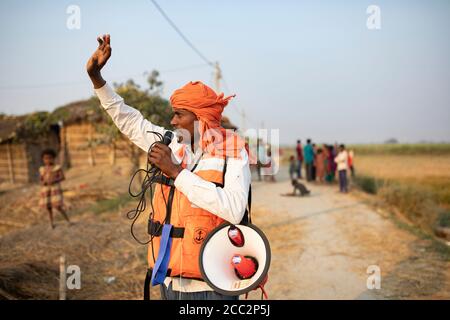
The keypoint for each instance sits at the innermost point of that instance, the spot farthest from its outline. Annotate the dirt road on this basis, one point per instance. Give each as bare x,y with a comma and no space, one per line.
323,244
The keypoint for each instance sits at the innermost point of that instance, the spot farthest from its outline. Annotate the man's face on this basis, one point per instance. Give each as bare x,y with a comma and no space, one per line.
184,119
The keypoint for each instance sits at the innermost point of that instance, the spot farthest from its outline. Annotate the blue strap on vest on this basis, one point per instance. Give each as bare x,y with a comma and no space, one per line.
162,262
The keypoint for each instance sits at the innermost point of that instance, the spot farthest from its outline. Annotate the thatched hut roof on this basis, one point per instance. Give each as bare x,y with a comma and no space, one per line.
9,126
78,111
37,124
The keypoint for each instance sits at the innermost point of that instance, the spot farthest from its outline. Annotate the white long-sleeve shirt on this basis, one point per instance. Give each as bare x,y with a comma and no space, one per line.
228,203
342,160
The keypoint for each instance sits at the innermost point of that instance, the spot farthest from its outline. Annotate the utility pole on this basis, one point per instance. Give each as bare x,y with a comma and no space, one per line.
243,124
217,77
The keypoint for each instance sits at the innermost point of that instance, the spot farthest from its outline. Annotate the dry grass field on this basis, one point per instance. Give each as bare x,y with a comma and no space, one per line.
417,167
317,232
428,172
413,179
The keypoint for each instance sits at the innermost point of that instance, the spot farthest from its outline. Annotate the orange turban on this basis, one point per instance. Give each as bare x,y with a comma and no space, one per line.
208,107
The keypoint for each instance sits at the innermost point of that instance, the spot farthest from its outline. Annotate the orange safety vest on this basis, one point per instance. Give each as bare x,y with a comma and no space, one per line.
191,224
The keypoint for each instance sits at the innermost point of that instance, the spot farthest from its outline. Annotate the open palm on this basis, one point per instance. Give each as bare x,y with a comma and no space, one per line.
99,58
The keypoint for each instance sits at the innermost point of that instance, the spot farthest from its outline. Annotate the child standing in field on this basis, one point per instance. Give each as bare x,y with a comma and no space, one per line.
51,193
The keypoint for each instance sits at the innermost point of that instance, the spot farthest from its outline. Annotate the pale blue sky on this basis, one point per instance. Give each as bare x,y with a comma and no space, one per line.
309,68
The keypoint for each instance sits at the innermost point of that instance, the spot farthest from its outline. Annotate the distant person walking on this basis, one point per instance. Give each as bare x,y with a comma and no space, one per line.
268,167
261,157
333,154
326,152
313,175
293,170
342,166
308,154
320,165
351,157
299,150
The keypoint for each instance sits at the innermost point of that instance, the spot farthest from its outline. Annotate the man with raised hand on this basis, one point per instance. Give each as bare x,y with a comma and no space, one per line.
207,184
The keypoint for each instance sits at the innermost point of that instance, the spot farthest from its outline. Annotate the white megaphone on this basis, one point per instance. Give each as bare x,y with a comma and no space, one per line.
235,259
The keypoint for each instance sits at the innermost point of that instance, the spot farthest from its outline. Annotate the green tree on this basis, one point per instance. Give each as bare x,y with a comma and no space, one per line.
148,101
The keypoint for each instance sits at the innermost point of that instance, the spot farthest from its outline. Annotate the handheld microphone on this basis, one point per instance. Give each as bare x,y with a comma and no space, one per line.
167,139
168,136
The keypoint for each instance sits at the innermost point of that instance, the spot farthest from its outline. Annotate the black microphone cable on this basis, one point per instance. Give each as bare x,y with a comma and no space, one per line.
151,172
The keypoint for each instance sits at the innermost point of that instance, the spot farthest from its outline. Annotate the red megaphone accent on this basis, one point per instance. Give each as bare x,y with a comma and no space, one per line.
236,237
245,267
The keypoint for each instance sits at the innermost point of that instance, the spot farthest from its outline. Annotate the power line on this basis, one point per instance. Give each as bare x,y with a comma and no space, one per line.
195,66
45,85
181,34
77,83
237,110
87,83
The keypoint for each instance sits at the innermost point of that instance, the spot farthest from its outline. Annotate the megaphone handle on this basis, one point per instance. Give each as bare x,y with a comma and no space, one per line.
250,204
263,292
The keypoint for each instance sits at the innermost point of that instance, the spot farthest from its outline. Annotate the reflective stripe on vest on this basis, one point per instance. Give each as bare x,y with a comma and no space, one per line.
197,222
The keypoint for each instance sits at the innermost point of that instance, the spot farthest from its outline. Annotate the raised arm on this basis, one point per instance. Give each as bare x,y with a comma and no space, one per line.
129,120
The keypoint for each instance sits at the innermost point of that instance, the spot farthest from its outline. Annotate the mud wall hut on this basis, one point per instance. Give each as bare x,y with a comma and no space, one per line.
20,148
89,138
81,133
